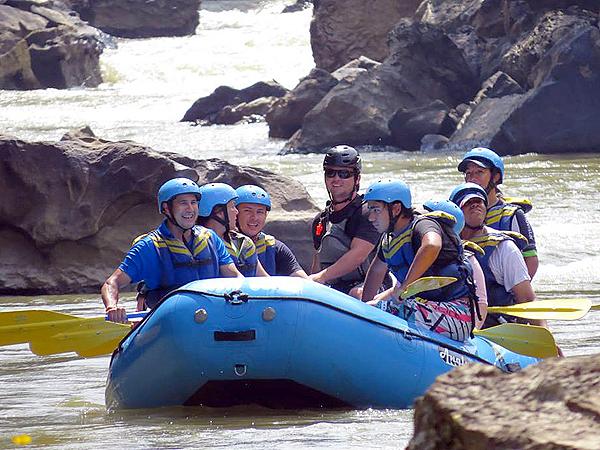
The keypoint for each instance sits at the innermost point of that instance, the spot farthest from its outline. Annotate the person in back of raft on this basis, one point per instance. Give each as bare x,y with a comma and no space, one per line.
218,212
413,246
174,254
506,276
253,205
484,167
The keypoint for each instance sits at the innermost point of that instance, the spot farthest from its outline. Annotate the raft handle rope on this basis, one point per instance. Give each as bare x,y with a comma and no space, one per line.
236,297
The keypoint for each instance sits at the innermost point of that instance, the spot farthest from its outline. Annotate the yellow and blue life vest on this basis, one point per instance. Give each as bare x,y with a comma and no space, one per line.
398,251
500,215
266,251
181,264
496,293
243,252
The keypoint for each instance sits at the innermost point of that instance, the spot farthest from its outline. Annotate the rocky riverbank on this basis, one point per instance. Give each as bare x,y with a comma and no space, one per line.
70,209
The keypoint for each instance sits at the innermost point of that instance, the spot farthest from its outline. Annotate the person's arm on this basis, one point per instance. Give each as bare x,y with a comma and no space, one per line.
480,291
354,257
374,279
286,262
315,264
524,293
431,245
532,264
260,271
230,271
110,296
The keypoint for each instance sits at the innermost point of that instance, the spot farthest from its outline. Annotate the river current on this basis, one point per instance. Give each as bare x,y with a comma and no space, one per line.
149,84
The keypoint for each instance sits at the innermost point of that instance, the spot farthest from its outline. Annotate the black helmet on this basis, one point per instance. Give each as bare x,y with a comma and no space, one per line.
343,156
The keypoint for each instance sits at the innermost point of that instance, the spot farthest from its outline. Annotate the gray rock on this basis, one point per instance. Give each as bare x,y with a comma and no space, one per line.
342,30
205,109
140,18
287,113
554,405
67,228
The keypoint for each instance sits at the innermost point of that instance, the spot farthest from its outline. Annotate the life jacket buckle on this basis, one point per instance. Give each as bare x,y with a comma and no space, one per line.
235,297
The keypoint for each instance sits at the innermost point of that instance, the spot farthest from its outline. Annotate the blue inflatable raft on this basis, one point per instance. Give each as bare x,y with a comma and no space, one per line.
282,342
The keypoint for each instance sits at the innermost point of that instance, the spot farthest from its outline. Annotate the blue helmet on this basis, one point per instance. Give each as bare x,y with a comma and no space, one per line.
389,191
483,157
214,194
466,191
174,187
253,194
450,208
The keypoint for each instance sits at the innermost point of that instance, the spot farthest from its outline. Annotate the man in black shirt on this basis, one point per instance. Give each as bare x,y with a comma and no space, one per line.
342,234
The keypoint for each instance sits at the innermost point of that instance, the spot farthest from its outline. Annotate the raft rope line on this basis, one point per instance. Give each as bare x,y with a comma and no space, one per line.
407,334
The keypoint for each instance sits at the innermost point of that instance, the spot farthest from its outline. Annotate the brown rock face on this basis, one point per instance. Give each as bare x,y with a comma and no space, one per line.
140,18
46,46
342,30
554,405
70,209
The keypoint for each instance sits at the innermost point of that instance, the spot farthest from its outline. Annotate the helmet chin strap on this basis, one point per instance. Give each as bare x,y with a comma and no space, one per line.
393,219
174,222
224,221
348,199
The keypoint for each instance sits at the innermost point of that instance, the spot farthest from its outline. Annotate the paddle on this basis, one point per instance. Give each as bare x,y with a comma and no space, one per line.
426,284
528,340
560,309
49,332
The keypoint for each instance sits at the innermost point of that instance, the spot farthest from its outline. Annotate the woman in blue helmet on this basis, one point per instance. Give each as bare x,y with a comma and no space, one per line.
253,205
413,246
470,249
174,254
218,212
484,167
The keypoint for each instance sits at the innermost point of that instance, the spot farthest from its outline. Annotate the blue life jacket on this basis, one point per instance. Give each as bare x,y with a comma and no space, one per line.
265,248
180,264
399,254
496,293
501,214
243,252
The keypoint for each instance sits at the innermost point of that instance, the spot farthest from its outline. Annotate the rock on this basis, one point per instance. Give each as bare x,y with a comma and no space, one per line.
554,405
557,115
424,66
433,142
43,45
350,70
408,126
67,228
205,109
342,30
287,113
252,111
140,18
298,6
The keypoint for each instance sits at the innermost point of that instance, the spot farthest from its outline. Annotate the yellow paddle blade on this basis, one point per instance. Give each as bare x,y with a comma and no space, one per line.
49,332
527,340
559,309
595,308
426,284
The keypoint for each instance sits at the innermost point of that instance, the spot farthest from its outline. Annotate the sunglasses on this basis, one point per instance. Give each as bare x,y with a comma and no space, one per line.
344,174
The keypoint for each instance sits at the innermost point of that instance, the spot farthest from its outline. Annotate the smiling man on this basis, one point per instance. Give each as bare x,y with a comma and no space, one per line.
174,254
342,234
253,204
506,277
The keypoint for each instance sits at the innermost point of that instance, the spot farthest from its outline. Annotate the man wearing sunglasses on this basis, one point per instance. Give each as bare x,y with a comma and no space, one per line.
342,234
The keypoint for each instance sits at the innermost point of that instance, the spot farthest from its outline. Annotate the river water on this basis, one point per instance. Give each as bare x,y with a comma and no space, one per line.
59,400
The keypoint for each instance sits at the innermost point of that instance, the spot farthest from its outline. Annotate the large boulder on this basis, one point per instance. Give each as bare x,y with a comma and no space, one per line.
141,18
554,405
424,65
558,114
342,30
67,228
43,44
286,115
205,110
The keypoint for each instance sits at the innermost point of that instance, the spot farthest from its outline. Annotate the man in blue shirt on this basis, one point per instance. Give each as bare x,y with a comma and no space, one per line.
174,254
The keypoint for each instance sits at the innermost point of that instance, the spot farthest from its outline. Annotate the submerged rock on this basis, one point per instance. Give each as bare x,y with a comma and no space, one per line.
67,228
554,405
